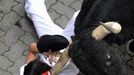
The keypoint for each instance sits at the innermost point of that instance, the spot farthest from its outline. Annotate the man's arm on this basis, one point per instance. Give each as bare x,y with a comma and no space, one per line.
33,50
31,53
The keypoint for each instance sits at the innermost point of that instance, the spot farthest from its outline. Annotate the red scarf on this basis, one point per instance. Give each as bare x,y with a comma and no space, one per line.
45,73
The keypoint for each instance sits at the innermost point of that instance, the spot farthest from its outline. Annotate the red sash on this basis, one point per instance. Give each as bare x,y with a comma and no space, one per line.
45,73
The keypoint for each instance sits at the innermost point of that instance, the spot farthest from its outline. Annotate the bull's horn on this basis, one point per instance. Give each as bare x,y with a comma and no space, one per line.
106,28
114,27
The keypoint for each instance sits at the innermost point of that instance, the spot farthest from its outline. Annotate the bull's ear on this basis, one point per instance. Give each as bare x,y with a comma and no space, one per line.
131,46
106,28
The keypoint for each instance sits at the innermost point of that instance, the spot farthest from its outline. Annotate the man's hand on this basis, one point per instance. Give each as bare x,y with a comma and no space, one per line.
52,56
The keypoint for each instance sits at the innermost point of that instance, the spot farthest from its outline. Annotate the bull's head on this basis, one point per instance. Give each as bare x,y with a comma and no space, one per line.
108,58
99,33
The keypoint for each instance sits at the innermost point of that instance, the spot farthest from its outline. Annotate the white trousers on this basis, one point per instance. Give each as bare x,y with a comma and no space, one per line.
37,12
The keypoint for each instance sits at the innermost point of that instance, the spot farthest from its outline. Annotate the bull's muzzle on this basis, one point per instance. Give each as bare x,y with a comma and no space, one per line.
106,28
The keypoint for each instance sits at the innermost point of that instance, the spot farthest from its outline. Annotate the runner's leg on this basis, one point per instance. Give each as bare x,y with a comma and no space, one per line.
37,12
69,30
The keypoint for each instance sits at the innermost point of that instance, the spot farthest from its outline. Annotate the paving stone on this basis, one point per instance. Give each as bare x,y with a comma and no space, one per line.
49,3
67,2
8,21
62,22
64,10
53,14
76,5
26,25
19,9
12,35
6,5
25,52
20,1
2,33
1,16
1,11
2,72
4,63
28,39
15,69
80,0
16,51
3,48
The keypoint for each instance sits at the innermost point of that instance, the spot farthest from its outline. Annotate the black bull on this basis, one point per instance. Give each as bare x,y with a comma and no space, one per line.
105,57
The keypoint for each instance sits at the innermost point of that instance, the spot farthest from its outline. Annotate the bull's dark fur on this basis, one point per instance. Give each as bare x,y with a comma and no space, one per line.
105,57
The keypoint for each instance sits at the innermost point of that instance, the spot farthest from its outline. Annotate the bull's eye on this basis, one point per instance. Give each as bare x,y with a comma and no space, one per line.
108,60
108,56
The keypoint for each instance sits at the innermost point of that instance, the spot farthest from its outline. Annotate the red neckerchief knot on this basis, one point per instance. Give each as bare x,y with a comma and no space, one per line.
45,73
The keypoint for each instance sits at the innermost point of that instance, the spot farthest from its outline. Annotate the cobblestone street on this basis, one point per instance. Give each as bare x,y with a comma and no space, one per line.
17,31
